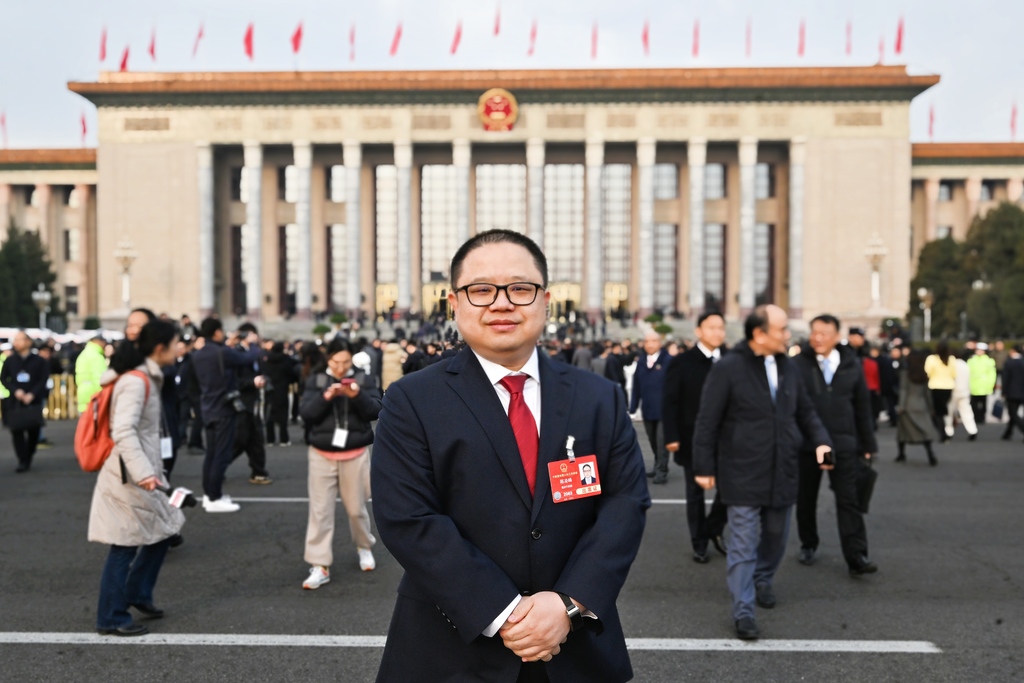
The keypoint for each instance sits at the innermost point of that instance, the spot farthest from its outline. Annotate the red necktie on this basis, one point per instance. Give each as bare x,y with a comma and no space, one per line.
523,426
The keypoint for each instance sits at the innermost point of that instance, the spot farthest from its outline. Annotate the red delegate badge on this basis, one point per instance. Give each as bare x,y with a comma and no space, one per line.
574,477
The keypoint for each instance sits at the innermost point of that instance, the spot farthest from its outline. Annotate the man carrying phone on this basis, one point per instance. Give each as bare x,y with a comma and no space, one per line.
251,435
836,385
754,415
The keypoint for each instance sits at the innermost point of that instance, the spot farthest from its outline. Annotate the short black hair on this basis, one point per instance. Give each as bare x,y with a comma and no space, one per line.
209,327
828,319
757,320
499,237
337,345
708,314
248,327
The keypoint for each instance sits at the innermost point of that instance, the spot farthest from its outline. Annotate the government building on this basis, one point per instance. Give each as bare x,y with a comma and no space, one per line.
288,194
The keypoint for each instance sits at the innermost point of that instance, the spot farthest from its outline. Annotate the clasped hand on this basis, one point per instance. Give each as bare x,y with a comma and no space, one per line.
537,627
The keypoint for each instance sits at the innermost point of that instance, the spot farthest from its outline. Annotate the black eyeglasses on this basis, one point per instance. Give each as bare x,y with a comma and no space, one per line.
485,294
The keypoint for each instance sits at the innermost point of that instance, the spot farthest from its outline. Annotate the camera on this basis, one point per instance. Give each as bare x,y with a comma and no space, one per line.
234,398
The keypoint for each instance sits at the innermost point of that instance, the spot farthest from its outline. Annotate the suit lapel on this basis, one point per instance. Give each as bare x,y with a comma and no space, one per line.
468,380
556,397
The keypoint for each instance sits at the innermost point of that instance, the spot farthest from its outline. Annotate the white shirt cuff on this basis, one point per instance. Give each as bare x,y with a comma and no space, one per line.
502,618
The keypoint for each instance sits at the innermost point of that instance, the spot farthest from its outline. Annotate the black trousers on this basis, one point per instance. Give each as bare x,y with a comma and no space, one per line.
25,441
277,418
249,439
1013,412
656,435
220,448
703,525
533,672
979,406
940,401
195,437
843,481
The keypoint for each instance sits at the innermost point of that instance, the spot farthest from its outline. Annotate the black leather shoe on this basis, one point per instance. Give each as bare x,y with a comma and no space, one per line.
719,544
124,631
650,475
660,480
746,629
701,558
807,557
22,467
765,595
151,611
863,566
176,540
972,437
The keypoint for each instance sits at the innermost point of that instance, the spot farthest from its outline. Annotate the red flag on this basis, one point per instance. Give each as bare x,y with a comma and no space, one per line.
801,46
696,37
593,42
199,36
297,39
152,46
3,126
750,39
849,38
124,60
352,43
247,41
103,45
899,38
85,129
931,122
457,38
497,20
533,38
396,40
1013,123
646,38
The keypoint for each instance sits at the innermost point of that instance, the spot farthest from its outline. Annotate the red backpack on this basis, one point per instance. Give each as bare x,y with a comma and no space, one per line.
93,442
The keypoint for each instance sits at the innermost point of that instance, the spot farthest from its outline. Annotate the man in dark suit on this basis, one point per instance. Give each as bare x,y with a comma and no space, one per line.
836,385
648,390
499,568
684,382
754,415
1013,391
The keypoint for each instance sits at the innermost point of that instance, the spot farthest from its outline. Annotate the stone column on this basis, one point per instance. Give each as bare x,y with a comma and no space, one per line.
353,222
972,187
595,230
645,152
797,159
204,159
462,159
931,206
403,165
252,233
5,209
748,214
303,155
1014,190
87,299
696,158
535,190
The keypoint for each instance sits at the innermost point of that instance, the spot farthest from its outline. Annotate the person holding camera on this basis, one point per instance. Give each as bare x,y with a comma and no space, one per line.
338,404
253,385
128,513
216,366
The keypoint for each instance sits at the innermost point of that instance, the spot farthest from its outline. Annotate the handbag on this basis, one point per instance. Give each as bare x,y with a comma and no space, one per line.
20,416
866,478
997,409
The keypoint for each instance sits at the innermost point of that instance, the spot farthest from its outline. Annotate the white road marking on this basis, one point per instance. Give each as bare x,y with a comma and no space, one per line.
263,499
634,644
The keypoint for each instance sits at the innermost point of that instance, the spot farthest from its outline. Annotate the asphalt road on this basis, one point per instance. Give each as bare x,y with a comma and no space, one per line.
948,541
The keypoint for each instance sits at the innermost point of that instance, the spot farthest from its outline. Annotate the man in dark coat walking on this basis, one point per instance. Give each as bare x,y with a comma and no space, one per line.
836,385
648,390
754,415
683,385
1013,391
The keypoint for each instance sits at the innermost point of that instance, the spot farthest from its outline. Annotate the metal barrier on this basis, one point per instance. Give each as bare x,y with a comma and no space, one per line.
62,404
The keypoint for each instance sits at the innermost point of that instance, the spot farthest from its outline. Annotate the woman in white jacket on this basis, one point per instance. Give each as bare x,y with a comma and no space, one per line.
960,402
128,513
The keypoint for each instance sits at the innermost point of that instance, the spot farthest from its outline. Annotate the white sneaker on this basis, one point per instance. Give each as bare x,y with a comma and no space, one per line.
223,504
318,576
366,561
206,499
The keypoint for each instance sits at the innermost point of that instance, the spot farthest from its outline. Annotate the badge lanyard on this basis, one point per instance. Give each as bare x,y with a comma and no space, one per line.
340,433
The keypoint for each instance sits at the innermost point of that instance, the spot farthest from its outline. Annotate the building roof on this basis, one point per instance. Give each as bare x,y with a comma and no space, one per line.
959,153
799,83
40,159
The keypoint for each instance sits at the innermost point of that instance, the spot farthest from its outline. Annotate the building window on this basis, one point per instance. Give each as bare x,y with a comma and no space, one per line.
666,265
387,224
71,300
764,181
74,199
501,197
563,221
666,181
336,184
764,263
438,220
34,197
72,245
945,192
944,231
65,192
337,259
617,223
714,267
239,193
988,190
238,301
288,184
288,267
714,181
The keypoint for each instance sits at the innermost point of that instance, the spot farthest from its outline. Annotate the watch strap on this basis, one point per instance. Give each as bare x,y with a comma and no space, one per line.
573,612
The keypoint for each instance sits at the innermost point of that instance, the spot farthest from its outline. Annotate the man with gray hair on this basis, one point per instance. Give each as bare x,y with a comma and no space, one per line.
648,391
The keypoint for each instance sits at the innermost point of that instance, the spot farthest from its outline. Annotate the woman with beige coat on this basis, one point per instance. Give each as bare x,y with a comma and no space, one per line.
128,513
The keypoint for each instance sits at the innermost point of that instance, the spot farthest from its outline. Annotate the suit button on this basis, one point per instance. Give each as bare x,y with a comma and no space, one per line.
536,534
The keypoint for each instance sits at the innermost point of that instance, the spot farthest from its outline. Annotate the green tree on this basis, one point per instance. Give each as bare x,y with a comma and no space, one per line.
23,266
993,260
939,270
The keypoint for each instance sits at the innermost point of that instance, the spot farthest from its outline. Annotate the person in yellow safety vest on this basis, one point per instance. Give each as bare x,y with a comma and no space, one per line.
983,380
5,350
90,366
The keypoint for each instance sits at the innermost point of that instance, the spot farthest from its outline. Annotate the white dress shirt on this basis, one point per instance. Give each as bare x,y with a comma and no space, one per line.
833,363
715,355
772,368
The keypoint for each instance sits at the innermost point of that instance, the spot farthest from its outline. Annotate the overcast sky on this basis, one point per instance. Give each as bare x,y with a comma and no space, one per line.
974,45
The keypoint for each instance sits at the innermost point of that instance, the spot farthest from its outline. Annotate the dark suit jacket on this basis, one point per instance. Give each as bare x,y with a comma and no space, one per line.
844,406
684,382
648,385
1013,379
749,443
452,505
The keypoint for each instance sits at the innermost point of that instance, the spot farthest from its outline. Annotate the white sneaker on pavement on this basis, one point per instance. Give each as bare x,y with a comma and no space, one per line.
366,561
318,576
222,504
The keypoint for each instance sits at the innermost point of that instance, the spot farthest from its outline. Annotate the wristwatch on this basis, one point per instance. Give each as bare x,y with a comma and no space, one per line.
573,612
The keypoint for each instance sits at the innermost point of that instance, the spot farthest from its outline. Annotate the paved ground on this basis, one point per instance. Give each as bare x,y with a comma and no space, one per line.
948,541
